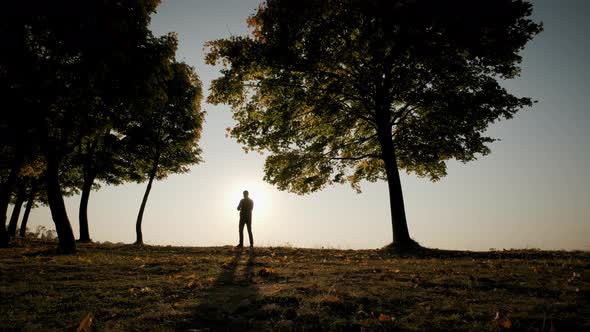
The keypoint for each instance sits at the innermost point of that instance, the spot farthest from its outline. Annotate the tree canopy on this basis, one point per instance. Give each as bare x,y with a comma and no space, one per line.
347,90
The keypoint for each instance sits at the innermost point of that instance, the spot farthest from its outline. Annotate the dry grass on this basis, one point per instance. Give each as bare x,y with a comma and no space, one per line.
130,288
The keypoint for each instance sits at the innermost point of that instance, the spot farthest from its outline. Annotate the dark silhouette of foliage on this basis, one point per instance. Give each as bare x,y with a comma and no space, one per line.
17,133
348,90
72,68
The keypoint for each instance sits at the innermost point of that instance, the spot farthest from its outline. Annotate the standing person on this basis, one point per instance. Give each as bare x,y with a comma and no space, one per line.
245,207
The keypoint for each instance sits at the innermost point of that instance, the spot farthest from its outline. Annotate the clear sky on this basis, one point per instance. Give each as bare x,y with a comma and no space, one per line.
533,191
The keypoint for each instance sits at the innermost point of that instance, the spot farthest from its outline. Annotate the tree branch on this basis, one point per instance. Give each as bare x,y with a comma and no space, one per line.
369,155
404,112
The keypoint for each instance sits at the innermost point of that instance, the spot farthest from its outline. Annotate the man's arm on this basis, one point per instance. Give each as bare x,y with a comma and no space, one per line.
240,205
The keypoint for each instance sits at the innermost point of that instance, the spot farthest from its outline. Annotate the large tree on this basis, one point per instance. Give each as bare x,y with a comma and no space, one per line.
164,139
344,90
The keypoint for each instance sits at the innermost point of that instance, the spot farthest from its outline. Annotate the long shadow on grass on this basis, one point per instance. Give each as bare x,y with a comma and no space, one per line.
229,304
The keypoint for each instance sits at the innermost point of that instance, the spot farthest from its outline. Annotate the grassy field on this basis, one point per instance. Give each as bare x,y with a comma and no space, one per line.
157,288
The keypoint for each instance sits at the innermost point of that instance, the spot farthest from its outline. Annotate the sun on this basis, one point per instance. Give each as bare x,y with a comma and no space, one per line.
259,192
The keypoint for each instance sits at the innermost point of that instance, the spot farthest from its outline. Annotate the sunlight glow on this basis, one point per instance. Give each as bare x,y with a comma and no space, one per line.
260,193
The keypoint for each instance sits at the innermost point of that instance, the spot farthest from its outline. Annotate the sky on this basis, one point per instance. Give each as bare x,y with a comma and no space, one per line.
532,191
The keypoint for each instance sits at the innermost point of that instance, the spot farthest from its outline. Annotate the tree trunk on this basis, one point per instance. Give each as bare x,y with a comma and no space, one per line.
138,232
5,192
30,201
83,213
3,231
20,198
401,235
67,242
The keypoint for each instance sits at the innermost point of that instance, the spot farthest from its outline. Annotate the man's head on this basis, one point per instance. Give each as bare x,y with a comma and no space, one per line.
246,193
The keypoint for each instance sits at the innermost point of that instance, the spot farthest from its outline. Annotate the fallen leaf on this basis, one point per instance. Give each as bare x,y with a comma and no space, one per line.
384,318
502,321
85,323
84,259
332,299
265,272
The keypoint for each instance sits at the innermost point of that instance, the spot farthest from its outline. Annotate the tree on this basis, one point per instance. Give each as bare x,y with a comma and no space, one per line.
8,177
31,196
164,140
5,192
348,90
19,199
98,158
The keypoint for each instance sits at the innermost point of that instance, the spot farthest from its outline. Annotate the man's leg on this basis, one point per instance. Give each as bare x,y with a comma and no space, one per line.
249,225
241,231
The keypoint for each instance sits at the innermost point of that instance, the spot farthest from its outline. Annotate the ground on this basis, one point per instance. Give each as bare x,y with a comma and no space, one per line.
164,288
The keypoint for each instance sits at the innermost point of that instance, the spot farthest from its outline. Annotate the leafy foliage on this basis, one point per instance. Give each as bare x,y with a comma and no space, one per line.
318,80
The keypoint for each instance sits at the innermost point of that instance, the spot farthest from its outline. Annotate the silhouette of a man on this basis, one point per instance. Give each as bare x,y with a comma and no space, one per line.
245,207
